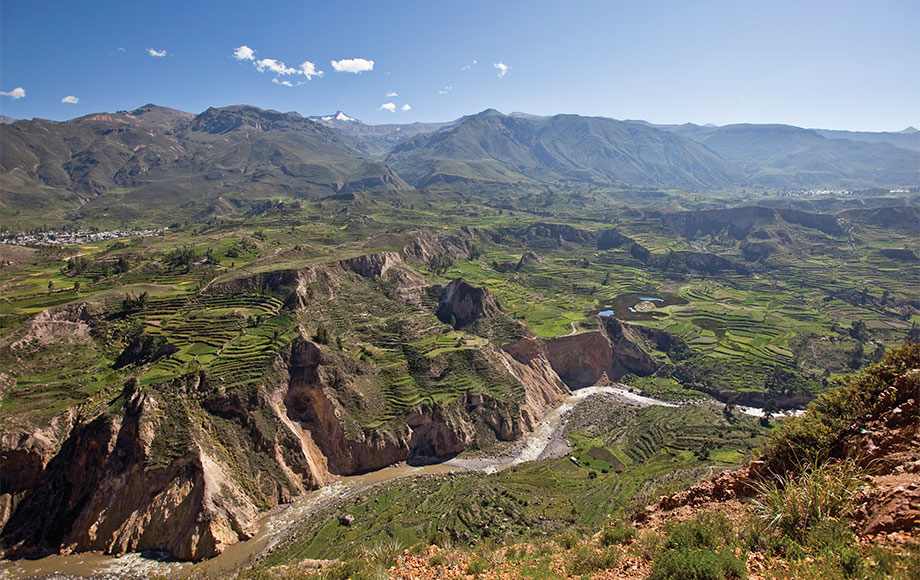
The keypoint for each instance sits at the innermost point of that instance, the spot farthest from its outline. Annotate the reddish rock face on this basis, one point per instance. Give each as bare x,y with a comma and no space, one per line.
894,510
582,360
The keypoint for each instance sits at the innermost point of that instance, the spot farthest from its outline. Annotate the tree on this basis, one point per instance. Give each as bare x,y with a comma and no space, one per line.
769,407
780,380
132,303
50,287
122,265
322,335
856,356
76,287
441,263
858,330
730,405
913,334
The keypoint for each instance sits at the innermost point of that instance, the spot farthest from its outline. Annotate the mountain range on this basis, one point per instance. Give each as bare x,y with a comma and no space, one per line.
224,157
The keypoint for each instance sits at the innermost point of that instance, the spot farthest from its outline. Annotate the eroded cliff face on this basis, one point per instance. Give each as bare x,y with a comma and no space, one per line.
612,351
544,390
320,377
100,493
388,267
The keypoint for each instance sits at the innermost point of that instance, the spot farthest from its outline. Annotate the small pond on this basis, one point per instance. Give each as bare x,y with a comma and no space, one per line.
638,306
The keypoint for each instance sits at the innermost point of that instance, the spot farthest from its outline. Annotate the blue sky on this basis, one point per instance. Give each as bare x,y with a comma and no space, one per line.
833,64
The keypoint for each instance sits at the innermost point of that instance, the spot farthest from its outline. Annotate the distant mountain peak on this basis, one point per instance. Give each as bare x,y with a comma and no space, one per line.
520,115
339,117
157,110
910,130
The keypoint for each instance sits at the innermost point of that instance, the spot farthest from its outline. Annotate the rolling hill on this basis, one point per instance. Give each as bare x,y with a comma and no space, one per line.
497,148
787,156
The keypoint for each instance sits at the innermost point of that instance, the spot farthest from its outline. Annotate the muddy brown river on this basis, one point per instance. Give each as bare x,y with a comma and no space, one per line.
277,522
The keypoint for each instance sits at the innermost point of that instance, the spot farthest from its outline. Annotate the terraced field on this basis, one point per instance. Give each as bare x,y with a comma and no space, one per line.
230,337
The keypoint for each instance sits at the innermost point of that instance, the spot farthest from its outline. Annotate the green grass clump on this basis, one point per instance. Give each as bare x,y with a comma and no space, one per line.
792,504
702,548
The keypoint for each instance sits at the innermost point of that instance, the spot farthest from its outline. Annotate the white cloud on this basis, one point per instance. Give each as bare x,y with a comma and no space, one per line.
469,66
244,53
392,94
156,53
120,49
391,107
352,65
445,90
275,66
16,93
70,99
502,68
306,68
406,107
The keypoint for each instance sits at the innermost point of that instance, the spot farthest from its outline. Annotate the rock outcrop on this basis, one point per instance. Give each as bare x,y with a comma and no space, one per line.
611,239
425,246
462,304
558,232
528,259
52,325
189,467
388,267
543,388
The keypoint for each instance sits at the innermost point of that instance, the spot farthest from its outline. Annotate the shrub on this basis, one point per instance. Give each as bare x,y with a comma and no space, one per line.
586,558
567,540
477,566
322,335
707,530
381,556
437,560
699,549
617,534
677,564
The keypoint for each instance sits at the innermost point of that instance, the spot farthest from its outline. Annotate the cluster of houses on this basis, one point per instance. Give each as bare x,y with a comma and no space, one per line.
80,237
813,192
